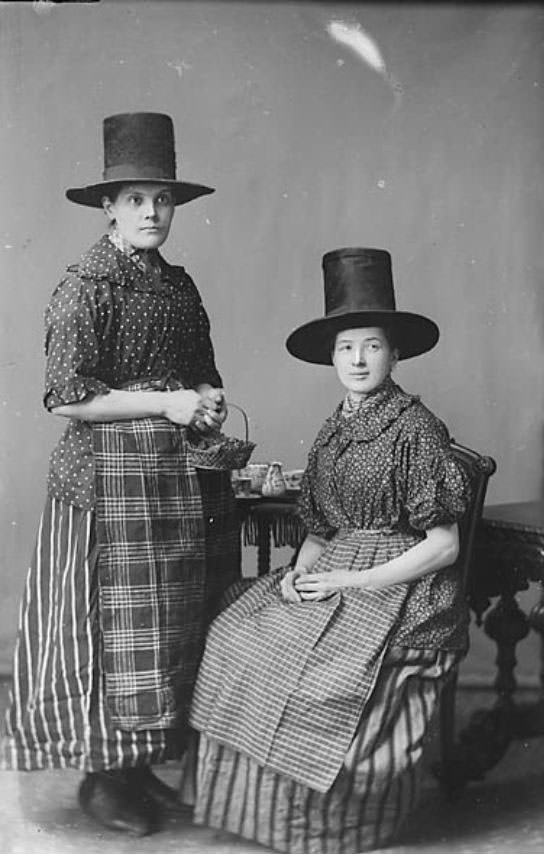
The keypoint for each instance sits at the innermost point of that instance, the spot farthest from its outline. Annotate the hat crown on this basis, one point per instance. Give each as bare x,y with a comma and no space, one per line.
359,293
139,146
358,279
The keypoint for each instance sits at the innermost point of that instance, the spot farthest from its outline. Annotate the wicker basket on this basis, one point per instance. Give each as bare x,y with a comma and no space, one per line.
219,452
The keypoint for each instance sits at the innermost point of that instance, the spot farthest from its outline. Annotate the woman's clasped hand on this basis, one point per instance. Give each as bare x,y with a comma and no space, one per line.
204,410
302,585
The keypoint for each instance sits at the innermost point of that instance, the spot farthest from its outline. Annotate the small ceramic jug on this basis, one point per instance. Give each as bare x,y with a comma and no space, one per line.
274,483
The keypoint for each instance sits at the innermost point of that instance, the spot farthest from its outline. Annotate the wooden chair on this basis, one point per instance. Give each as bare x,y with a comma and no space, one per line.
478,469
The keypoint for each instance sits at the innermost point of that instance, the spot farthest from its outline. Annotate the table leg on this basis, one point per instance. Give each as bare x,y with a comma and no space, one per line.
528,718
507,625
263,547
536,621
485,739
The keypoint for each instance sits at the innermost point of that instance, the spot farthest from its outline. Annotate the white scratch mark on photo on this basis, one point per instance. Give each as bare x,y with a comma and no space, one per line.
354,37
43,7
180,65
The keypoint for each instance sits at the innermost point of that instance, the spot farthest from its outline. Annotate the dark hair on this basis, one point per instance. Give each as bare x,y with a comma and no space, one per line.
390,336
113,192
388,332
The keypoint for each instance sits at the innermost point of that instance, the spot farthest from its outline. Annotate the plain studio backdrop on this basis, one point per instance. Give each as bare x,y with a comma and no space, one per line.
428,144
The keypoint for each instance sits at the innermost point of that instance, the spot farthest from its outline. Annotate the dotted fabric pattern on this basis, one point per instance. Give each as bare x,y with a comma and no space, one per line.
112,321
390,468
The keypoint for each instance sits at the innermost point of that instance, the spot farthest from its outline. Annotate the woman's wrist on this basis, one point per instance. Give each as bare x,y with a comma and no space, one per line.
367,578
301,568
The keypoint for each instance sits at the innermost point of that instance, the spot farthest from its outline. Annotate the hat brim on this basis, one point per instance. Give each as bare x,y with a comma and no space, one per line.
414,334
91,195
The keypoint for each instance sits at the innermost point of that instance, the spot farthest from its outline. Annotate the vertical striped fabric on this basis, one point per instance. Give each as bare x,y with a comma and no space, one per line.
373,794
58,717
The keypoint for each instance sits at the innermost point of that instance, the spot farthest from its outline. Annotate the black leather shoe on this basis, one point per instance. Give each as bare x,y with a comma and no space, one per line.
164,796
111,799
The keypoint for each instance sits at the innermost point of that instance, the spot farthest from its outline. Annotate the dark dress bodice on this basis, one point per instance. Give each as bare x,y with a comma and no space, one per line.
109,323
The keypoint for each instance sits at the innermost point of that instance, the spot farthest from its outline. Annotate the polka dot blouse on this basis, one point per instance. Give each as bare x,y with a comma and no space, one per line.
113,320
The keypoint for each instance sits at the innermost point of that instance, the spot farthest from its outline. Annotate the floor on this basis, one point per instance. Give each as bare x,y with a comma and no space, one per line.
39,812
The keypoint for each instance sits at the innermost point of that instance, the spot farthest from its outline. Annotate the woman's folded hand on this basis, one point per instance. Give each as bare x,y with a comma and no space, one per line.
215,407
287,584
183,406
321,585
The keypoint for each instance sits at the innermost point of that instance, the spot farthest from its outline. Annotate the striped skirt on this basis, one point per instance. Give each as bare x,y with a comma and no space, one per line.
374,792
57,716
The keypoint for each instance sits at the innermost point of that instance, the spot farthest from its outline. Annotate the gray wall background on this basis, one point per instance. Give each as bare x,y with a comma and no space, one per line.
310,149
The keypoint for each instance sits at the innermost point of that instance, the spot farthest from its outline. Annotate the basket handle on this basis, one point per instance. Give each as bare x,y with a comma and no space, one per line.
246,420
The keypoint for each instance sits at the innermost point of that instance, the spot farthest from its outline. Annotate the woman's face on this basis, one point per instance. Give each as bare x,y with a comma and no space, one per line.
143,214
363,358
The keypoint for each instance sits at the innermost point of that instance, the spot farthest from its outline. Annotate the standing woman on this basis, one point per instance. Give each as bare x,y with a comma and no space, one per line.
318,683
126,564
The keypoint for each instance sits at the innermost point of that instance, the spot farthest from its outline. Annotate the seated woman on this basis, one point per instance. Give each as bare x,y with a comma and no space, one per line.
319,682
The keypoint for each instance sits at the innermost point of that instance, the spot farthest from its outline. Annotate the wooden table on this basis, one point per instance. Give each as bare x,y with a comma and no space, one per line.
269,521
508,557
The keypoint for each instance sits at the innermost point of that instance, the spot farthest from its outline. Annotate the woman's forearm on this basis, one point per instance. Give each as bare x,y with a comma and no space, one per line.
438,550
117,405
310,551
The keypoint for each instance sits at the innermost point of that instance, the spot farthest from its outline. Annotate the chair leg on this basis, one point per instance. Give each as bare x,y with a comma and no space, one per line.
447,721
445,770
478,747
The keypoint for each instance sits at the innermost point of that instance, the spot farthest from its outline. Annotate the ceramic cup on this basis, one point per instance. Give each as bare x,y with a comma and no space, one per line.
241,486
293,478
257,474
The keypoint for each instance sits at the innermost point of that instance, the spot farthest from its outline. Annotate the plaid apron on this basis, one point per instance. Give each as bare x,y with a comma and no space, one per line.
150,534
377,787
286,684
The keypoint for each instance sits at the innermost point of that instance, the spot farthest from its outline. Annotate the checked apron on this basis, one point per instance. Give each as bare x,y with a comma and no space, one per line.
151,570
112,626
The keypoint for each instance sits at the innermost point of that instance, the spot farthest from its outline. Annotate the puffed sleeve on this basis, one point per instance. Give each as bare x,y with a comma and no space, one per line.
202,368
309,510
438,490
72,344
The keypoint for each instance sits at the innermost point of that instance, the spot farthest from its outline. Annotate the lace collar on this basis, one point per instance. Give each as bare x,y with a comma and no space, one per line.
106,260
147,260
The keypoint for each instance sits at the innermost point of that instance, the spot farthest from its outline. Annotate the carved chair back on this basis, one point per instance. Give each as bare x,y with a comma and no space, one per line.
479,469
